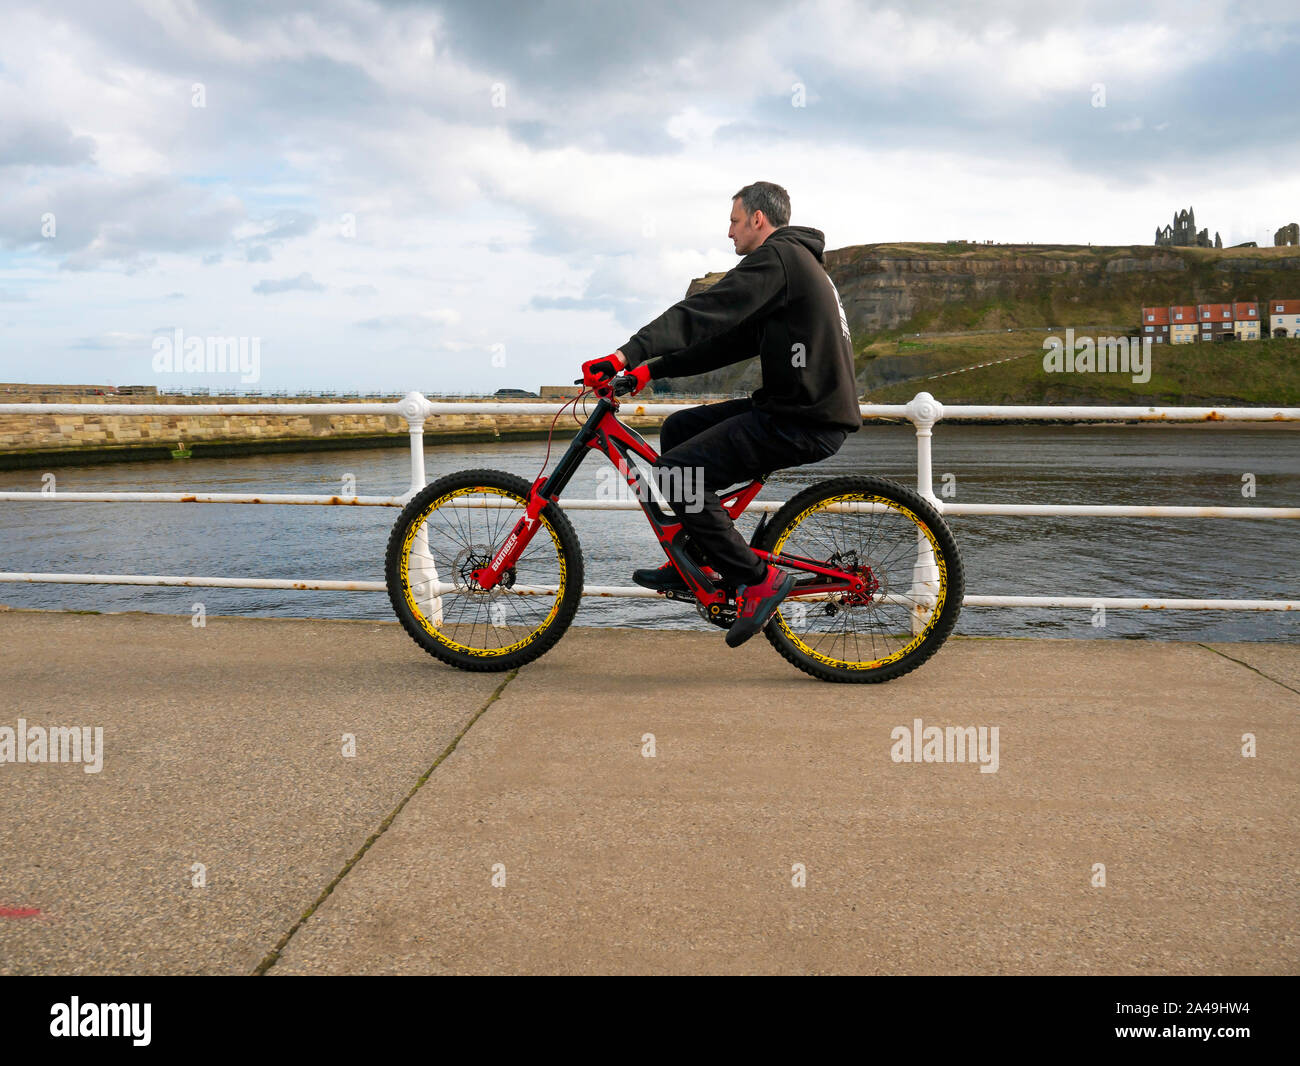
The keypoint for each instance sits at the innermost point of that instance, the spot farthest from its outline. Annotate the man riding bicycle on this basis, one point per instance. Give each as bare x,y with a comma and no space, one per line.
778,302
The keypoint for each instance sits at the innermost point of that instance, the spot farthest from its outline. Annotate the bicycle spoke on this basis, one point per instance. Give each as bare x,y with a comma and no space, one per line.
886,542
462,538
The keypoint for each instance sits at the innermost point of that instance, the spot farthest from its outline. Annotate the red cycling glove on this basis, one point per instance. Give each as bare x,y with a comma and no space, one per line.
599,371
641,375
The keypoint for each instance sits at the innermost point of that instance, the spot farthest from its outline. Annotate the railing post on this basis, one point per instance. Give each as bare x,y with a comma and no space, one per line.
421,567
415,409
924,411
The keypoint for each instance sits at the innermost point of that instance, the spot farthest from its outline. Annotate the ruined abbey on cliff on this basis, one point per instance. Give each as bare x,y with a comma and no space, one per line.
1183,233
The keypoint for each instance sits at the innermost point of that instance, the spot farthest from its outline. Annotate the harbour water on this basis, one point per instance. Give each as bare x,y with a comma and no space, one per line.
1087,556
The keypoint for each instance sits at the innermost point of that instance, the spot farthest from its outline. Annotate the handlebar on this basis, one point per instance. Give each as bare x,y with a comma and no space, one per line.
623,384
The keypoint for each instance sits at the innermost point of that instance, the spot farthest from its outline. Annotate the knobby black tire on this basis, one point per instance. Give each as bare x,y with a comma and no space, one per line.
570,552
947,616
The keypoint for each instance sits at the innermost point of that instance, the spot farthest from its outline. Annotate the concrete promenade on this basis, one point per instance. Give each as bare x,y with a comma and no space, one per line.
223,746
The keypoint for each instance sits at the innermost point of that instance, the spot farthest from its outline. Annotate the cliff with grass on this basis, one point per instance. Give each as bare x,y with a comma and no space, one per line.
977,304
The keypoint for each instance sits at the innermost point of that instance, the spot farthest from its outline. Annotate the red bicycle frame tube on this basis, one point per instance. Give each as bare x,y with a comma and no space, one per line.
603,432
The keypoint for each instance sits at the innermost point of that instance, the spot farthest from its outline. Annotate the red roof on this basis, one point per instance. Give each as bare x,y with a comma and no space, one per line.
1218,312
1187,310
1245,311
1289,307
1157,315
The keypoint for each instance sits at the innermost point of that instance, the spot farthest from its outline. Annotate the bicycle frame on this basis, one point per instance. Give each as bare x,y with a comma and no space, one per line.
603,432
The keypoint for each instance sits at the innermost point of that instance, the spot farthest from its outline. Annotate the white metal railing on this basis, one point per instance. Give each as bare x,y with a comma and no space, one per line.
924,411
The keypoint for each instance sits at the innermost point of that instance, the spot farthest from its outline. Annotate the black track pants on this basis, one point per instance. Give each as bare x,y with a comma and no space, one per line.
705,449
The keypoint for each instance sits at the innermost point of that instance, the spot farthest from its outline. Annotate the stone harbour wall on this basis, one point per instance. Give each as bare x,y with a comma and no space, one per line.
86,436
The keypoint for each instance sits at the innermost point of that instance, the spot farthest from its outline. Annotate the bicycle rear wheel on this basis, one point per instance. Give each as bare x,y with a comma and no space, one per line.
866,525
454,526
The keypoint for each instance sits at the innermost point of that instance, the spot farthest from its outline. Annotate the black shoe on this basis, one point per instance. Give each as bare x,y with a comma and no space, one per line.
667,579
756,603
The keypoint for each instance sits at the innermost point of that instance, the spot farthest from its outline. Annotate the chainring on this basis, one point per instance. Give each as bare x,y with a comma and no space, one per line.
721,615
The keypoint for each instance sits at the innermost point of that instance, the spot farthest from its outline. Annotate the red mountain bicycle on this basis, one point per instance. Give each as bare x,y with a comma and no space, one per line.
485,571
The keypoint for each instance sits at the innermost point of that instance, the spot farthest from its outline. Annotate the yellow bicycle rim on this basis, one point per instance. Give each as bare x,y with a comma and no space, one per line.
428,625
919,638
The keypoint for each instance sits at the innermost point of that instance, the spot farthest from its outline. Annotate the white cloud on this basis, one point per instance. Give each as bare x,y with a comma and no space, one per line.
303,282
115,340
354,146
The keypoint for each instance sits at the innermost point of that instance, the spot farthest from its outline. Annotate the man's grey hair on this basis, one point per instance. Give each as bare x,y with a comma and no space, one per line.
771,199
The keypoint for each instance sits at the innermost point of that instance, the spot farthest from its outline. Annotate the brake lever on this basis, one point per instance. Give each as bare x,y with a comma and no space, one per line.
621,385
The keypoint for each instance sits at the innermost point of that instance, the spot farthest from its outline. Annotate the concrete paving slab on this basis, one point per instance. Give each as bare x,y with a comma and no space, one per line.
223,746
1277,661
1127,754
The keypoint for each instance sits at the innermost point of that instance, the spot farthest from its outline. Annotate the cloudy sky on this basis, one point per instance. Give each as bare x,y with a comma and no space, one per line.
476,195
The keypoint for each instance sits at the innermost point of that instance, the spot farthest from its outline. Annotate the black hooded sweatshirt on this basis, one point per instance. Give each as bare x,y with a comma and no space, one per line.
777,303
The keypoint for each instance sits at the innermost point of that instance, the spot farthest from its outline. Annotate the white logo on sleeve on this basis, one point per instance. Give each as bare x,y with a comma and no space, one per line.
844,319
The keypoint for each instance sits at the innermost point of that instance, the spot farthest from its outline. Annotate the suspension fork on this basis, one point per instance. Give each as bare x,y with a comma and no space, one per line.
508,554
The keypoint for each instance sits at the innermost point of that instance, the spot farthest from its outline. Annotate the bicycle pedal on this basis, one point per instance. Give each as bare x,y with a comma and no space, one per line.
722,615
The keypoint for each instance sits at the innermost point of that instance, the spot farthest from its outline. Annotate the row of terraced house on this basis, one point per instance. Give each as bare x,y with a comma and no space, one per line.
1239,320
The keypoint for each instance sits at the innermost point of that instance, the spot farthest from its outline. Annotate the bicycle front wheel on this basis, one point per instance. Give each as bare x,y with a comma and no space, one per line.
456,525
898,542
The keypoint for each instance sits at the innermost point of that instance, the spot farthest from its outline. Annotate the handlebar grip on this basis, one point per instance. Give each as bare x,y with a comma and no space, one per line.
624,384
